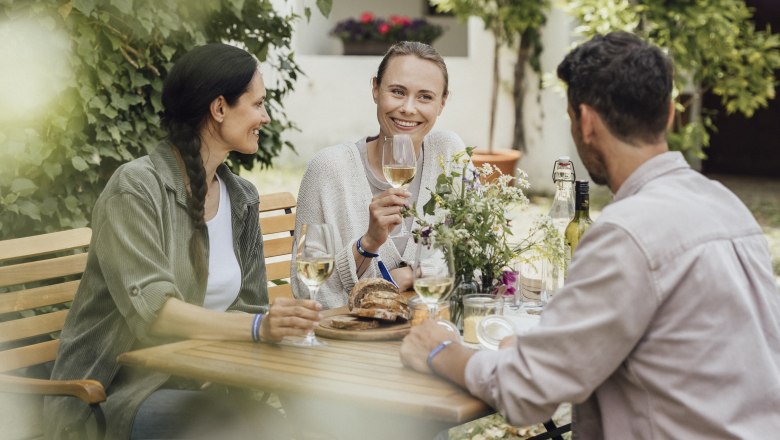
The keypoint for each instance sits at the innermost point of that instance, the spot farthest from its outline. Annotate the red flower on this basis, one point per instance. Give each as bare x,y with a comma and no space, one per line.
384,28
399,20
366,17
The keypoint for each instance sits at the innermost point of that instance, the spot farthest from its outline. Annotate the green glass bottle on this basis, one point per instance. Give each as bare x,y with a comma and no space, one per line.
581,221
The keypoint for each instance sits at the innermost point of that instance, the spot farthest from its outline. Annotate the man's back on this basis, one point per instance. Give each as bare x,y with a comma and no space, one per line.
709,356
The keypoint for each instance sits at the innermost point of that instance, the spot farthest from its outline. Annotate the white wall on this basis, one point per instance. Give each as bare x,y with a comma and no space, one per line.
332,103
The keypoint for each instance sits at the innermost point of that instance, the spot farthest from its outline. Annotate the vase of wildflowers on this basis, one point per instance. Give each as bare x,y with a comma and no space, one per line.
471,207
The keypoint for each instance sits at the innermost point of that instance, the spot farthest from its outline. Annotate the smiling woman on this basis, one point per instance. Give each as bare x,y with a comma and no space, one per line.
176,253
344,185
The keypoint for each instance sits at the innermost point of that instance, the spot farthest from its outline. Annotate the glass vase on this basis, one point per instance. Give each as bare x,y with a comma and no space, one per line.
465,286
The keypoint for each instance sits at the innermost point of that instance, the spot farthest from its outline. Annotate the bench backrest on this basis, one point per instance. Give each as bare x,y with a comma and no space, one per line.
38,273
277,224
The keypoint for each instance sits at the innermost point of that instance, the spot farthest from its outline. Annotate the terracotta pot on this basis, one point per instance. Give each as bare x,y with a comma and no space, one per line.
505,160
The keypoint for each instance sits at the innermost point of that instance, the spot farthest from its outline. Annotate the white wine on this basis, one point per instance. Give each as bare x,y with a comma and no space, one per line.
314,271
581,221
433,289
399,176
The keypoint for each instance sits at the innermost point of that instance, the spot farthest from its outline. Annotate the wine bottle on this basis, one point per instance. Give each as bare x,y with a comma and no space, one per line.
561,213
581,221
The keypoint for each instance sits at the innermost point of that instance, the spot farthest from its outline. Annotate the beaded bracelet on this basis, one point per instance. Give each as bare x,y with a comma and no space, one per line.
436,351
256,327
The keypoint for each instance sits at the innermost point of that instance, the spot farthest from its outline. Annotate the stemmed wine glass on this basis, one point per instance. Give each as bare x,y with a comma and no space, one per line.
434,275
314,262
399,165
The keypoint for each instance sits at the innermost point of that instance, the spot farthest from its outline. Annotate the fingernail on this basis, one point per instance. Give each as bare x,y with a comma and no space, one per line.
318,305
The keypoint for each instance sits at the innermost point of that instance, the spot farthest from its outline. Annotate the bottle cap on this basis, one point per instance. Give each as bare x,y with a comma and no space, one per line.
581,186
564,159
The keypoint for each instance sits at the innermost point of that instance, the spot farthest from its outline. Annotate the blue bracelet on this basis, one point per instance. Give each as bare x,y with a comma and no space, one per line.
436,351
364,252
256,327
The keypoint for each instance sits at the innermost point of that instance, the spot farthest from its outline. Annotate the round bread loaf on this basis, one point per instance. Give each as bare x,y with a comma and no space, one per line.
378,298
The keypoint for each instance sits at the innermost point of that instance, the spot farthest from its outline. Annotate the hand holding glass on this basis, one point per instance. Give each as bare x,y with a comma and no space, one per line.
399,164
314,262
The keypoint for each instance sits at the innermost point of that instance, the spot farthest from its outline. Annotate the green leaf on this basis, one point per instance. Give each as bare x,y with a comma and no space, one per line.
72,203
24,187
325,6
10,198
430,207
29,209
84,6
79,164
124,6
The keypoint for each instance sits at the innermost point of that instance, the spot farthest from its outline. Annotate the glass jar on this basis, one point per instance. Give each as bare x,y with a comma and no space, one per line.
475,307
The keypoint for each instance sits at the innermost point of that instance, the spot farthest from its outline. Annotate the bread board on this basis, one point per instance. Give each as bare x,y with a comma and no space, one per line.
385,331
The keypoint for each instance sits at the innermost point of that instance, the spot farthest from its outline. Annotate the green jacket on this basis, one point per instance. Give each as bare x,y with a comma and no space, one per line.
138,258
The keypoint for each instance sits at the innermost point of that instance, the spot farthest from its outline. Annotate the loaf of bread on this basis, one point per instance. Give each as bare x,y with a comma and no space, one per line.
379,299
353,323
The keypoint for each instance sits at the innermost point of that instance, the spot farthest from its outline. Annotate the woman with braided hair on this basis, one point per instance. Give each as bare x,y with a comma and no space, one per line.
176,252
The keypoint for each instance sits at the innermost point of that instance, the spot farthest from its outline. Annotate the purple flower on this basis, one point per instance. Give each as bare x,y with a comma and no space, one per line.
509,278
426,232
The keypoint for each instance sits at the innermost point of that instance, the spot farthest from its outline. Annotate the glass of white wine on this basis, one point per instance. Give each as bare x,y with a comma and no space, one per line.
314,262
434,273
399,165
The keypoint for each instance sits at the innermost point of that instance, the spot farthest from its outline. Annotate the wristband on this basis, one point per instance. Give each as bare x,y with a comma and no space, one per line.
364,252
436,351
256,327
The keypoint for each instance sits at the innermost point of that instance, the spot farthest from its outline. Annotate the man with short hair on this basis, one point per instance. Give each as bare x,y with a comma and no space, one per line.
669,323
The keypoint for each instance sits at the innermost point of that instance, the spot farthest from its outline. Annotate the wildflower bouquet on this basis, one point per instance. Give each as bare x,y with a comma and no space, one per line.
396,28
470,208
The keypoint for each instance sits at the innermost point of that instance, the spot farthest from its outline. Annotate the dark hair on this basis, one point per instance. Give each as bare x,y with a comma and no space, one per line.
420,50
626,80
198,78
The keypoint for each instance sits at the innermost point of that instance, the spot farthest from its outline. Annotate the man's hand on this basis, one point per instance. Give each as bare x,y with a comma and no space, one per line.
417,345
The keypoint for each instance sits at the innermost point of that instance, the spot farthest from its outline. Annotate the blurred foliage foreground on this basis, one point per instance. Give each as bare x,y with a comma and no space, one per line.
80,92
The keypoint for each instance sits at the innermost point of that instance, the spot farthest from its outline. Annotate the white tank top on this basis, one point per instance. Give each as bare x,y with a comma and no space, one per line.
224,279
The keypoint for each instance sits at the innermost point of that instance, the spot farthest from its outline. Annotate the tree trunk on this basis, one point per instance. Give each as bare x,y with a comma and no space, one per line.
518,92
494,94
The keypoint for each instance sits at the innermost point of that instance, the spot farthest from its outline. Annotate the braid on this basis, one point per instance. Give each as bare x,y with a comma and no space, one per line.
198,77
188,144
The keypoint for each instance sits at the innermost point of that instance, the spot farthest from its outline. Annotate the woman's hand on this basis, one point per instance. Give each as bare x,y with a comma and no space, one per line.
403,278
384,215
289,317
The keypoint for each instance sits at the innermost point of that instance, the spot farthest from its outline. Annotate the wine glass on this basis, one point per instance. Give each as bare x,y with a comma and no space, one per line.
399,165
314,262
434,275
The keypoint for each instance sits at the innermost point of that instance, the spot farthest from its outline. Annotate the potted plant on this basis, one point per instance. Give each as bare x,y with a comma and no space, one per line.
371,35
473,214
512,22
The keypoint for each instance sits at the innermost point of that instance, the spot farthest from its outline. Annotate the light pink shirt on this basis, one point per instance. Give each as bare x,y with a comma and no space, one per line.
668,326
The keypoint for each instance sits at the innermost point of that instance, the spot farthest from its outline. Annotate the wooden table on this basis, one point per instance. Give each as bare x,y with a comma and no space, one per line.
365,375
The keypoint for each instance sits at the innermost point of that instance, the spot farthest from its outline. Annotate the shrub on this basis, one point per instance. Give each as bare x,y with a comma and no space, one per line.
106,107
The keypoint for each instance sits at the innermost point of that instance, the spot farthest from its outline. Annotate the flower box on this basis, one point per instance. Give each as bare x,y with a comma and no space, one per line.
370,35
366,47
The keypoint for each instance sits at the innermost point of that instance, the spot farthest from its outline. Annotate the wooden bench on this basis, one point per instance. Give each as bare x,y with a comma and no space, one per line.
277,224
41,274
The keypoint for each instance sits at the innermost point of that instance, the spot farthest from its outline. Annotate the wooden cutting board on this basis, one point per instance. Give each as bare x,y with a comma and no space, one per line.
385,332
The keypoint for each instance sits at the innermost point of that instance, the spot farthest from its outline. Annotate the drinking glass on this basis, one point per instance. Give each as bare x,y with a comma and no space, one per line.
314,261
399,165
434,274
